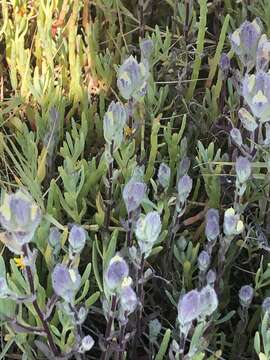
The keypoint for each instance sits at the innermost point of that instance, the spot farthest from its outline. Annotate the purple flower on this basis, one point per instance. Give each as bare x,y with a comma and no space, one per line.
113,124
65,282
164,174
133,194
77,238
20,216
211,277
86,344
184,188
147,231
236,136
212,225
132,78
208,301
147,47
245,41
243,169
263,53
256,92
203,260
232,224
116,272
246,294
188,307
128,298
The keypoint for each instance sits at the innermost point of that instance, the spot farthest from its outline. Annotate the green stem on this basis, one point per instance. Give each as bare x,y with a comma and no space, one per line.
199,50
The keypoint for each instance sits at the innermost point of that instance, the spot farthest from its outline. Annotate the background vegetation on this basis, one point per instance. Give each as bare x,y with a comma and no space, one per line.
58,75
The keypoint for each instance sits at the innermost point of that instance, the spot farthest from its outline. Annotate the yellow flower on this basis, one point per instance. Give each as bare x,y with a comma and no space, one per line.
20,262
129,131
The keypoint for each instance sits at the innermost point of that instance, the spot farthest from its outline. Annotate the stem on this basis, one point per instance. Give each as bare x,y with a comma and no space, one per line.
130,119
140,295
139,289
109,196
169,244
182,344
105,353
141,18
129,232
199,49
78,326
40,314
186,25
122,342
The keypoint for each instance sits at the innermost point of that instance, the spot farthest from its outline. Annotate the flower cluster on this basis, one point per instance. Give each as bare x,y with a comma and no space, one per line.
196,305
119,285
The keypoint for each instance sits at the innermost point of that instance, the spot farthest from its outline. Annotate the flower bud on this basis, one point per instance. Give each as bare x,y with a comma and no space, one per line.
154,329
243,169
133,194
266,304
164,174
224,63
232,225
211,277
203,260
212,225
147,47
236,136
208,301
184,188
116,272
86,344
20,216
188,307
54,237
65,282
246,294
77,238
247,120
113,124
132,79
147,231
82,314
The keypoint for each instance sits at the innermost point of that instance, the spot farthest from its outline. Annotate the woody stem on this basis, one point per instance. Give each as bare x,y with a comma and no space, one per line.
40,314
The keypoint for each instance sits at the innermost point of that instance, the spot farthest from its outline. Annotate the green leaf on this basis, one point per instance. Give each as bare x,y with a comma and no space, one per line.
257,342
92,299
164,345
